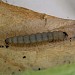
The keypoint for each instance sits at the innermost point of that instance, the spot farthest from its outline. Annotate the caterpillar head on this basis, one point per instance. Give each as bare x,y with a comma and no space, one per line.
65,35
6,41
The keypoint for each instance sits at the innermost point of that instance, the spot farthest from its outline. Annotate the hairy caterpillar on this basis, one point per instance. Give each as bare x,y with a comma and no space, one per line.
39,37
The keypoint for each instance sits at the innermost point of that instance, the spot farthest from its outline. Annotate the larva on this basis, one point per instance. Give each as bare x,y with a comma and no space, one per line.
39,37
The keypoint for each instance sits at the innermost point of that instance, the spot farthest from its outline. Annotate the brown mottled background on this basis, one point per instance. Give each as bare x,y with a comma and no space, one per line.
16,21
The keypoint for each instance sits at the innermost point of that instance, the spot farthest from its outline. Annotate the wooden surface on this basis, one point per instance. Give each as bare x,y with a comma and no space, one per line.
20,21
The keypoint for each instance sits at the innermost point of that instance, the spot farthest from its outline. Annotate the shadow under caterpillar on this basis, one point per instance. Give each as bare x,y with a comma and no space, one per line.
36,38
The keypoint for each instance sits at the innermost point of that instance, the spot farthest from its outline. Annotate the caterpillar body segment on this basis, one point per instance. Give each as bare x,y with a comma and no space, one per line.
26,39
55,36
20,39
61,36
32,38
39,37
50,36
14,40
44,36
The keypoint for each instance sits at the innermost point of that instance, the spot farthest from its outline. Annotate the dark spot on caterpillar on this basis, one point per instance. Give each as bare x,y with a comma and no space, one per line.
24,56
36,38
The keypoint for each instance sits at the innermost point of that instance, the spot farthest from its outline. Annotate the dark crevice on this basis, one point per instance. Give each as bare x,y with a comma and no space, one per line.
19,70
9,68
68,61
39,68
70,39
24,56
7,46
13,73
5,61
1,46
64,61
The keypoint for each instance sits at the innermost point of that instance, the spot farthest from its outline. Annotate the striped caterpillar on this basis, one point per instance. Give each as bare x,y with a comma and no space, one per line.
39,37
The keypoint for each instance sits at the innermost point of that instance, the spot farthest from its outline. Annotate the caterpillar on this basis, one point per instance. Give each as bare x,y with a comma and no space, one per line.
39,37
